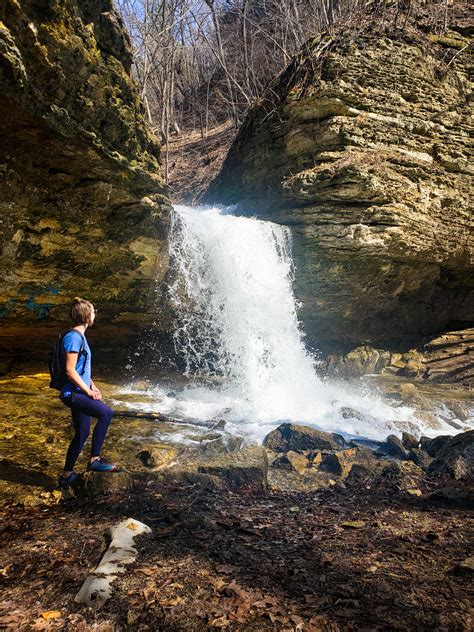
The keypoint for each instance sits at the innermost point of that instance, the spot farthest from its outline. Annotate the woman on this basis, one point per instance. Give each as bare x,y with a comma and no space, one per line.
82,396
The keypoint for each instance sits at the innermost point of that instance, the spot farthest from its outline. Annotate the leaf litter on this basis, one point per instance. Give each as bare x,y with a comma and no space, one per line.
352,560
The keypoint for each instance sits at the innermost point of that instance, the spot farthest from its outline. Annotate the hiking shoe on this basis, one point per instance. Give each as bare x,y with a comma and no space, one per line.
67,481
101,465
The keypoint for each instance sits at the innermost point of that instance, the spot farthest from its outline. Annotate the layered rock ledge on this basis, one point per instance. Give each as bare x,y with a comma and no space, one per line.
84,209
361,147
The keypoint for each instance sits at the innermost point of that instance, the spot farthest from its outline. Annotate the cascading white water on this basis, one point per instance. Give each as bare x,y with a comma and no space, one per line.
237,312
237,321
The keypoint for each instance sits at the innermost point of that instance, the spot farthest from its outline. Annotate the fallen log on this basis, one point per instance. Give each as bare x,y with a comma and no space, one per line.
98,585
148,416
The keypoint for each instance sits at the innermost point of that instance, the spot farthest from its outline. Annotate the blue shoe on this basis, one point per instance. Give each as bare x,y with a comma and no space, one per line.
67,481
101,465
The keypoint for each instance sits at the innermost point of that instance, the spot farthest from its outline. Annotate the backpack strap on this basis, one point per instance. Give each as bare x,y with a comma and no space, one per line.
82,349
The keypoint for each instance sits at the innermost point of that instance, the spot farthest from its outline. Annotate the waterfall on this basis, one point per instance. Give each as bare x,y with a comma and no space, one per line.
237,314
239,338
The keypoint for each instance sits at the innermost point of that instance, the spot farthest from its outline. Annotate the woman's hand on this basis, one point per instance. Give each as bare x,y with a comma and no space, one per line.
96,390
93,394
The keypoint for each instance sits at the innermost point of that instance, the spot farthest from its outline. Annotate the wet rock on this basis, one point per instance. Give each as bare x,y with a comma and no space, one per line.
157,457
301,438
408,392
351,413
97,483
455,458
409,441
402,475
209,436
213,447
394,440
359,475
460,409
220,445
453,424
282,462
393,447
246,467
219,423
341,462
433,446
420,458
365,443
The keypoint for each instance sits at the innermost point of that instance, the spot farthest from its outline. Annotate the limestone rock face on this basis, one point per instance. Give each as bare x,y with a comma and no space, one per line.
361,147
83,209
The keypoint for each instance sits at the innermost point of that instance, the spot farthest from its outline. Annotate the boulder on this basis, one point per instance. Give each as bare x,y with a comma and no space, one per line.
393,447
220,445
433,446
282,462
401,475
341,462
98,483
359,475
420,458
409,441
460,409
455,458
247,467
292,461
454,496
301,438
156,457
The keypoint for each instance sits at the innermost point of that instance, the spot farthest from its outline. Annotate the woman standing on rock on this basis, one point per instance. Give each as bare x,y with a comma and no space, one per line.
81,395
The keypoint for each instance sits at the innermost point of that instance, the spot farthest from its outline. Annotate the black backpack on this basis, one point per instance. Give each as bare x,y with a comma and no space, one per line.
56,363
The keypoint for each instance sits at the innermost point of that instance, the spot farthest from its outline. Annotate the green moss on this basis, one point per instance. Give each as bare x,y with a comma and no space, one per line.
452,40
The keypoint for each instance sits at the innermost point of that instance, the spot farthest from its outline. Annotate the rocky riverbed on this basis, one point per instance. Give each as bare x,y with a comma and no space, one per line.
308,532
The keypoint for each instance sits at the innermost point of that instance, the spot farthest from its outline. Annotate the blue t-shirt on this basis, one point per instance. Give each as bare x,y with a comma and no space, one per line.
72,342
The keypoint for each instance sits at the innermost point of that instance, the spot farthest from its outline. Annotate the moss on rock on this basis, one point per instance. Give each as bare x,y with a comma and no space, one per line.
80,180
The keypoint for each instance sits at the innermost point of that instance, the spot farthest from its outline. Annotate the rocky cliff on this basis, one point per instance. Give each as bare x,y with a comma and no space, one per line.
83,209
362,146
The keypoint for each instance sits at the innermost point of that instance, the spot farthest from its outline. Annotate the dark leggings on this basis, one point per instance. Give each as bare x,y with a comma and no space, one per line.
83,408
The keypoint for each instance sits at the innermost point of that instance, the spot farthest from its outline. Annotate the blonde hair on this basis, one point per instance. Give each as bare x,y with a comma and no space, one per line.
80,310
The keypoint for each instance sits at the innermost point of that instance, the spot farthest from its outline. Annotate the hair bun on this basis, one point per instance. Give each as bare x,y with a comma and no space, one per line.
77,299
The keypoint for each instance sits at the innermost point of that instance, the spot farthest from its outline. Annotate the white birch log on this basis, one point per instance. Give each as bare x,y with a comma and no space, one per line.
98,585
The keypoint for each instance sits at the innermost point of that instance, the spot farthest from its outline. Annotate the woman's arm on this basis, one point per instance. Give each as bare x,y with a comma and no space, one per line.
75,378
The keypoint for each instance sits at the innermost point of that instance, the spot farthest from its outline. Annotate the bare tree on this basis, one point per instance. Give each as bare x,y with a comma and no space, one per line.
200,62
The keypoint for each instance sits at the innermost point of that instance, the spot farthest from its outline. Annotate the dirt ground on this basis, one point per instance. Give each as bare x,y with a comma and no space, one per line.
244,561
338,559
